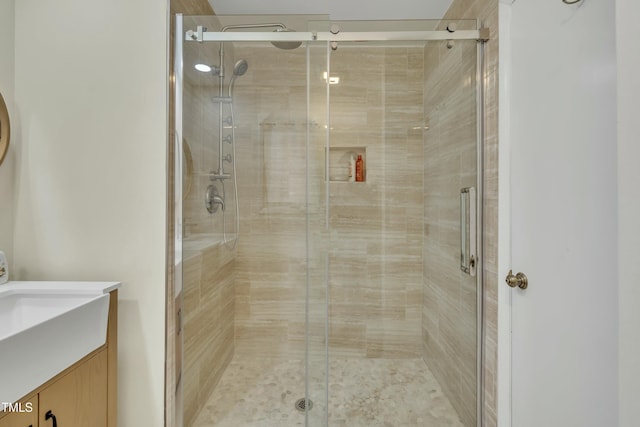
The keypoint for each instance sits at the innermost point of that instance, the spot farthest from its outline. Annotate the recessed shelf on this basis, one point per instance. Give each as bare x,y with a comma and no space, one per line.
340,163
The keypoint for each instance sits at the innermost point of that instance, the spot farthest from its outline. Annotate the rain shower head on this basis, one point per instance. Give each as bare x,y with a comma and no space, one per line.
285,45
240,67
280,27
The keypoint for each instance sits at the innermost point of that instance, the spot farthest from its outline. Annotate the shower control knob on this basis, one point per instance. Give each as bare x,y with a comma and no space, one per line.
519,280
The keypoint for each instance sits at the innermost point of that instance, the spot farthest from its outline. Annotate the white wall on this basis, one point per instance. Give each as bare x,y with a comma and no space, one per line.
7,169
91,97
562,127
628,49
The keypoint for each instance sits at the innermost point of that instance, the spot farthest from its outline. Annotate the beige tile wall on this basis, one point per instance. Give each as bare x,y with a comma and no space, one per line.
376,227
270,113
449,322
487,12
208,318
375,254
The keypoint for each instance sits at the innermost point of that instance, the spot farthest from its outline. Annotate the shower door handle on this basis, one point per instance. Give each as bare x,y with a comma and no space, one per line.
468,223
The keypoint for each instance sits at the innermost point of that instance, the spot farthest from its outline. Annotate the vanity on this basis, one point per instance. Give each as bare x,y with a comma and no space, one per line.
58,352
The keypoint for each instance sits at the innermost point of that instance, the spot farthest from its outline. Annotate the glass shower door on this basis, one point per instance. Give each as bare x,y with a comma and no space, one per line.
341,300
253,128
403,317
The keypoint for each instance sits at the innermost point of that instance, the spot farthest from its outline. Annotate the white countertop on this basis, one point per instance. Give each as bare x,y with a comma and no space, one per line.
62,286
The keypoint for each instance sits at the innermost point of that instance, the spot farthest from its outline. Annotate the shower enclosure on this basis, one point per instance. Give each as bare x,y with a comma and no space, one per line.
330,271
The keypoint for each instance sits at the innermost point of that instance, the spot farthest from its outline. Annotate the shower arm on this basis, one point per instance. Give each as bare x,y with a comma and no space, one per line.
244,26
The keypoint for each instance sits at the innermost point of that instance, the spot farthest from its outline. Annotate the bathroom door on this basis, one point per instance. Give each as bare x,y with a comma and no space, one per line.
563,213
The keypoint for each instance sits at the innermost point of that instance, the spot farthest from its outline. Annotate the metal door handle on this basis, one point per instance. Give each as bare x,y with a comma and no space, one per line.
468,256
519,280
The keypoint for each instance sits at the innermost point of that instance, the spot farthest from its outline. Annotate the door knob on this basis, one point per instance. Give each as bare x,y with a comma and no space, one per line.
519,280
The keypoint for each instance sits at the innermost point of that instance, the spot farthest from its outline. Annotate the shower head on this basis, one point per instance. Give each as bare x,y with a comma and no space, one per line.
279,28
240,67
285,45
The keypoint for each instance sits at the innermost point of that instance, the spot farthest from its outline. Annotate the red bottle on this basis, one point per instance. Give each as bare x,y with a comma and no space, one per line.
359,169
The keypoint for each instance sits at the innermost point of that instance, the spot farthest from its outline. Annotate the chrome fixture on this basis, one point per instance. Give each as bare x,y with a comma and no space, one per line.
520,280
468,221
213,200
214,176
571,1
285,45
289,36
280,28
239,69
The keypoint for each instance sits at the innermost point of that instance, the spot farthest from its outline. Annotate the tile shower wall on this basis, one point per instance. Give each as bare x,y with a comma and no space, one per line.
208,317
450,299
376,227
487,12
270,116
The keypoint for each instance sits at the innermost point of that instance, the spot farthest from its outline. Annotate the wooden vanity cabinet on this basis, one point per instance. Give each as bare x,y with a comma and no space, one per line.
25,418
79,398
84,395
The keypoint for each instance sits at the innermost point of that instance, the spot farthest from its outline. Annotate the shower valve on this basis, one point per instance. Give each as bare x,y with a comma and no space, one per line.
213,200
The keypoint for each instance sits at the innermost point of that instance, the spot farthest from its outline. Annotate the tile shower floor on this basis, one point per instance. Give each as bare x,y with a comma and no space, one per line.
363,392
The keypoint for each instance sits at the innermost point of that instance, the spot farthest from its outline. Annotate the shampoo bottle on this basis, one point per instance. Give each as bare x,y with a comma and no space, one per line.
352,168
359,169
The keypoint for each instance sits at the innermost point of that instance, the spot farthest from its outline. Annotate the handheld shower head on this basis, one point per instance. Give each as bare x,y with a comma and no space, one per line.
240,67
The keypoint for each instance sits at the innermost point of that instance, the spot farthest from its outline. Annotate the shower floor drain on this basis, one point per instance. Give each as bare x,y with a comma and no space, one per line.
304,405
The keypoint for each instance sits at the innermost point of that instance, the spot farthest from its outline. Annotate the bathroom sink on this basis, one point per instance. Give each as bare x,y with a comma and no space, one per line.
45,327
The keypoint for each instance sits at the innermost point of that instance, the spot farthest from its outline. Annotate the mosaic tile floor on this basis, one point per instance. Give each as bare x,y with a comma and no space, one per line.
363,392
